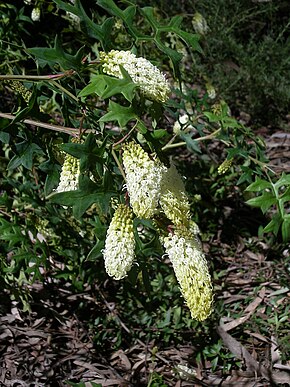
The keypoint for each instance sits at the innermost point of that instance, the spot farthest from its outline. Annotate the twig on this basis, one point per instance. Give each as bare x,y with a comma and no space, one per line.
57,128
208,137
49,77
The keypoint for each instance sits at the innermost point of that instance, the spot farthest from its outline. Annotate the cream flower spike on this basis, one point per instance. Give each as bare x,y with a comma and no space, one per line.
119,252
149,78
143,179
191,271
173,199
69,176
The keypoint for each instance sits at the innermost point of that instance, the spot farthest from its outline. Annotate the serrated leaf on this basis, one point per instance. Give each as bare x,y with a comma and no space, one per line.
259,185
274,225
100,32
119,113
80,200
26,151
283,181
106,86
191,144
58,55
212,117
264,201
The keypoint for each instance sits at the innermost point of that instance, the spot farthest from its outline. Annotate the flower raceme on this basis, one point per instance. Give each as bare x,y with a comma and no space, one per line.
173,198
120,243
149,78
191,271
143,180
69,176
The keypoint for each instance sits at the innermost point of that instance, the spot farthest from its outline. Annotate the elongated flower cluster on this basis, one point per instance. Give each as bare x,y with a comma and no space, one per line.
143,177
173,198
69,176
148,77
199,24
120,243
191,271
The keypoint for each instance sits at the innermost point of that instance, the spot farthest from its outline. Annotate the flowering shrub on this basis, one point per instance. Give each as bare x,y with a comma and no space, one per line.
124,124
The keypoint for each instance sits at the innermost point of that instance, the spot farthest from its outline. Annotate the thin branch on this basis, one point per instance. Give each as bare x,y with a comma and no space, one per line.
57,128
50,77
208,137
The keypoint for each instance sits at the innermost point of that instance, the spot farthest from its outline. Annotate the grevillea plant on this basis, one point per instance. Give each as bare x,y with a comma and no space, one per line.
113,157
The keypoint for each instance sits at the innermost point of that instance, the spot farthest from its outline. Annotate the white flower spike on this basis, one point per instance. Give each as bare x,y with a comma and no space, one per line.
173,199
143,179
69,177
152,82
119,249
191,271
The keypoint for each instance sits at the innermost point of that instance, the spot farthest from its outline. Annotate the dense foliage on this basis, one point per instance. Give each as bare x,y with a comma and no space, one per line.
73,98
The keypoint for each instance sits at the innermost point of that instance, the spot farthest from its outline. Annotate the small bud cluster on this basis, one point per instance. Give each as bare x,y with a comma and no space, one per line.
143,180
119,252
173,199
152,82
35,14
20,89
69,177
225,166
199,24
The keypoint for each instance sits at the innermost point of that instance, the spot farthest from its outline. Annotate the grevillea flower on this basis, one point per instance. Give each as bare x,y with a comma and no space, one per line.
199,24
120,243
143,179
69,176
35,14
173,199
191,271
149,78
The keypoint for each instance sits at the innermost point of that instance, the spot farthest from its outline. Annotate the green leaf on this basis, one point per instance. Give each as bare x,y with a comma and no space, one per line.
264,201
58,55
90,153
52,171
4,137
159,133
283,181
106,86
259,185
119,113
100,32
191,144
24,156
212,117
274,225
286,228
80,200
96,251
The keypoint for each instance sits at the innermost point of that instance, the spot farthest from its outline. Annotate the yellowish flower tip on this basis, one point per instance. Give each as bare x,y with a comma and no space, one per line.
191,271
199,24
69,177
35,14
225,166
173,199
210,90
119,252
143,180
20,89
152,82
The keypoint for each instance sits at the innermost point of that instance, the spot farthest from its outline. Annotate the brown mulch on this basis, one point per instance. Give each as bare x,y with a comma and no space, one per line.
50,345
